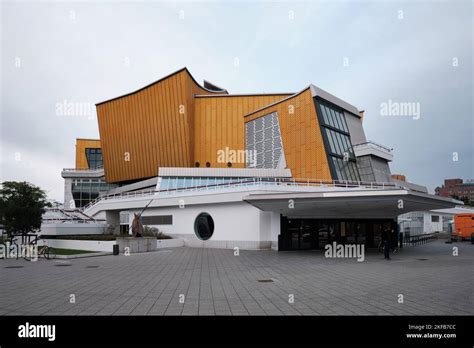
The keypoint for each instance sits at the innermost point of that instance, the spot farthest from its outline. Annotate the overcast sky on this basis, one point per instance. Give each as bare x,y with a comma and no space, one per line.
364,52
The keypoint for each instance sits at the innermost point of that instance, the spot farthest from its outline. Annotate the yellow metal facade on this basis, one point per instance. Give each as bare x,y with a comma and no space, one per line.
175,122
81,146
148,129
301,136
219,124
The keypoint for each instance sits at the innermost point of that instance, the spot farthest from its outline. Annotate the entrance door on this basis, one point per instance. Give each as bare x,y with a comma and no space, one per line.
309,234
304,234
328,232
301,234
293,234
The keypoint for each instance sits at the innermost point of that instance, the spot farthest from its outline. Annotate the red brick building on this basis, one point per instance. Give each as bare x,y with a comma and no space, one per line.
457,188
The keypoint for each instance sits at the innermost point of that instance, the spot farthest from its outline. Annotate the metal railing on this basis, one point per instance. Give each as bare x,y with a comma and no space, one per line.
244,182
382,147
83,169
418,239
59,215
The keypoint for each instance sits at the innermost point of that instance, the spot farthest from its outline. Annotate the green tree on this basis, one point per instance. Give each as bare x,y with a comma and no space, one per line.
21,207
464,199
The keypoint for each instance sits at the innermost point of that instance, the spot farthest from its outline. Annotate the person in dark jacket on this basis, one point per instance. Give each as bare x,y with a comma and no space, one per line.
386,242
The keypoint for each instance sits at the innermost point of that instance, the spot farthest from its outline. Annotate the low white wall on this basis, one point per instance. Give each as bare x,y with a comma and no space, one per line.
92,245
169,243
194,242
72,228
89,245
136,245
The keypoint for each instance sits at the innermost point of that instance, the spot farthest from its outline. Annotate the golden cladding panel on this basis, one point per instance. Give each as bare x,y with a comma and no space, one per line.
81,146
148,129
165,125
219,124
301,136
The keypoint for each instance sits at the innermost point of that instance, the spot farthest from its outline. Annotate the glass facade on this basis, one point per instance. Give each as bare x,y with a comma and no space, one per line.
345,169
334,129
340,143
175,183
86,190
365,169
333,117
94,157
301,234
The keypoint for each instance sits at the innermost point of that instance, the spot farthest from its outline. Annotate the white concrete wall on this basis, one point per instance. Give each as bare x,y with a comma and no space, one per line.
68,198
274,229
270,228
100,216
265,226
136,245
90,245
72,228
235,224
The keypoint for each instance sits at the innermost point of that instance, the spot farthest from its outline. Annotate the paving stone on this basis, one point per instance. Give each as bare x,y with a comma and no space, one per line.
215,282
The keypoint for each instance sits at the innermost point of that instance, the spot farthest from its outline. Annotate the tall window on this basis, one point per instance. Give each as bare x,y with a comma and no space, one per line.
94,158
366,172
334,130
86,190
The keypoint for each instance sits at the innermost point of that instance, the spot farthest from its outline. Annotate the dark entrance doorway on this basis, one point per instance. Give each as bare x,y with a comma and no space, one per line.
301,234
307,234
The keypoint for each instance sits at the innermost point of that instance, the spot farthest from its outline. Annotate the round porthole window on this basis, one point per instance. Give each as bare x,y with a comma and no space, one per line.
204,226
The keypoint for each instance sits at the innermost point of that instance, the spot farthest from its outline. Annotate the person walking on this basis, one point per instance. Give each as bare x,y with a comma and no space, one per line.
386,242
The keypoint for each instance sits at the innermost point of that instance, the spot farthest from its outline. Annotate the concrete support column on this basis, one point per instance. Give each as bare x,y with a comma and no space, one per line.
275,224
112,218
68,199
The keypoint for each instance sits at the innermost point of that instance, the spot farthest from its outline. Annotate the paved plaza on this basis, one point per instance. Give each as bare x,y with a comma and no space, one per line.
191,281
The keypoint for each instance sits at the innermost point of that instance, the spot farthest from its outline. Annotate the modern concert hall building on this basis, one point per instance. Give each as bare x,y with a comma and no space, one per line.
256,171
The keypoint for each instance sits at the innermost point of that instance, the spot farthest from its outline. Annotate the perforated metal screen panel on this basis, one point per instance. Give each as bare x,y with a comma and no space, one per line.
263,142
